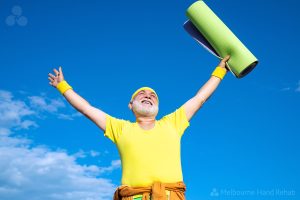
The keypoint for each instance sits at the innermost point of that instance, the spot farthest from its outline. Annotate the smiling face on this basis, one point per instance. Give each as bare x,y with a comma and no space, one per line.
145,103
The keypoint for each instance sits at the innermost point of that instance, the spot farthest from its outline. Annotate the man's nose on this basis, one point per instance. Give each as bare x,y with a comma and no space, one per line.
148,96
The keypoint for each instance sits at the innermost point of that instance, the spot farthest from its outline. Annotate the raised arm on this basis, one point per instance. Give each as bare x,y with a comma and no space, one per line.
80,104
194,104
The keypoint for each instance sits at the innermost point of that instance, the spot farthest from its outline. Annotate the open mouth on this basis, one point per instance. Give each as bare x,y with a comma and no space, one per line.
147,102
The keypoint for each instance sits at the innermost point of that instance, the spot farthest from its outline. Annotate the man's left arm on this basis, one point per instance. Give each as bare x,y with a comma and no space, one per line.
194,104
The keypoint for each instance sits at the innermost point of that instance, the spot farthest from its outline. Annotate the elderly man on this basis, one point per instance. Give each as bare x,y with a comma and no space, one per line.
149,148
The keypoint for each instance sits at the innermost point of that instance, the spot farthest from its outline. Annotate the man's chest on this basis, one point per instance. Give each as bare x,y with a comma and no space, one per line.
160,138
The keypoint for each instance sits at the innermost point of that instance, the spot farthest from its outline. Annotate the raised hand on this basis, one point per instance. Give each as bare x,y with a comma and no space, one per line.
54,80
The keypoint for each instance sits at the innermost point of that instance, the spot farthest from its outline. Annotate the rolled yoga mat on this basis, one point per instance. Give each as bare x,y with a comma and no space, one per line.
206,28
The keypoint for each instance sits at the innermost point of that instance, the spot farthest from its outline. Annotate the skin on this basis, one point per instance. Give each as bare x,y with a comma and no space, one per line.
144,121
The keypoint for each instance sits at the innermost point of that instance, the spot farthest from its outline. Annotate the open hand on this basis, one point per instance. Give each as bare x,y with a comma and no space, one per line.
54,80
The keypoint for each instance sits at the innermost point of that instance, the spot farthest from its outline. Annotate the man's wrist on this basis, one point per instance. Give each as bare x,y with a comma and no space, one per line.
219,72
63,86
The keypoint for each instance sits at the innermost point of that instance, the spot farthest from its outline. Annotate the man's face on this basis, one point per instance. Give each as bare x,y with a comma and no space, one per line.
145,103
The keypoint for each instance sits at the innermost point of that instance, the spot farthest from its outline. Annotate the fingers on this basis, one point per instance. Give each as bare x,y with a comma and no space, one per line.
57,78
54,79
226,58
56,72
51,75
51,81
52,84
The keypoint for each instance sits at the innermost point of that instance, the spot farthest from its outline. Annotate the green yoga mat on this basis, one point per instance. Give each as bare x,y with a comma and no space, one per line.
205,26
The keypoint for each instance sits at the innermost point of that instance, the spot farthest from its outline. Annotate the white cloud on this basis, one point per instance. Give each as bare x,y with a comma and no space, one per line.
38,173
29,172
5,95
44,104
115,164
84,154
79,154
94,153
40,103
27,123
4,131
12,113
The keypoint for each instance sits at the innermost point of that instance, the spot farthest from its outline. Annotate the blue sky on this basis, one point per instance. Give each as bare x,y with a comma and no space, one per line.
243,143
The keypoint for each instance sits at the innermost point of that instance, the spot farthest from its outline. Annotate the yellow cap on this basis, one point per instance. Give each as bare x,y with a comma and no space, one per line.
140,89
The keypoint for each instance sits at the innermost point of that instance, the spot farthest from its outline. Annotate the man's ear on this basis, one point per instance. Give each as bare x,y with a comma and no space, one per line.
130,105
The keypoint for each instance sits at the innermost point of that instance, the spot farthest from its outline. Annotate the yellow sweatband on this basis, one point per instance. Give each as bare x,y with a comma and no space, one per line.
143,88
219,72
63,86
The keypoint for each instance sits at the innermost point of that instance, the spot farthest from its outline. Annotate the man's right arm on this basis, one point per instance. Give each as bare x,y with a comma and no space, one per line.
81,105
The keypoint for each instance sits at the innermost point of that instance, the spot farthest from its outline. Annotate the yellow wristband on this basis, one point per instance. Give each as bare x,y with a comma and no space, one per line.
63,86
219,72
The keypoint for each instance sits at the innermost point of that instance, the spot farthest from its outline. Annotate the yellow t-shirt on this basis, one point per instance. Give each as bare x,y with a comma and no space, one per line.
149,155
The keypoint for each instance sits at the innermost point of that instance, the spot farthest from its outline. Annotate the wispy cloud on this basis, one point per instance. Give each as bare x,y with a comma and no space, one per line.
39,102
18,114
94,153
44,104
115,164
84,154
13,112
69,116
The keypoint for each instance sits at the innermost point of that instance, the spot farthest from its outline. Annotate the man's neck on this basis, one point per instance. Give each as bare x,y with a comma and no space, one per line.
146,122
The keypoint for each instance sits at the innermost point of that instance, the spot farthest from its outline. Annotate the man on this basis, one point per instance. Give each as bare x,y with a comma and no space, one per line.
149,148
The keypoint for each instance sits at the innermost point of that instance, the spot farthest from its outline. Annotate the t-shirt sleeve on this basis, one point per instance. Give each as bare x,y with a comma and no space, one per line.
113,128
178,119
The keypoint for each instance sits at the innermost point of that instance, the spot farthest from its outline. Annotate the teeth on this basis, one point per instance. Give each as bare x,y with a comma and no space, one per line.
147,102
